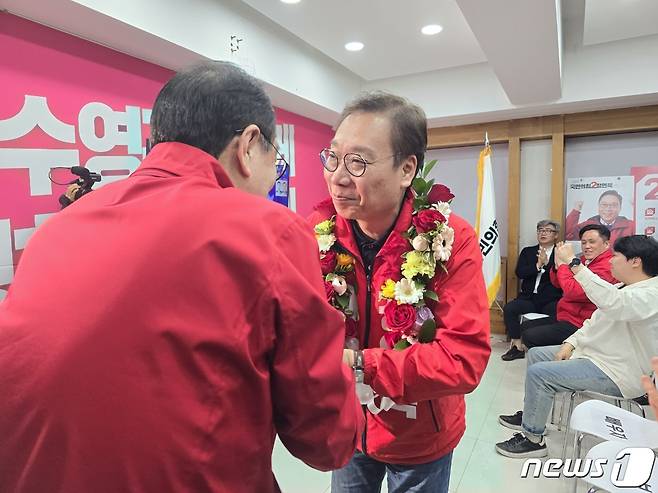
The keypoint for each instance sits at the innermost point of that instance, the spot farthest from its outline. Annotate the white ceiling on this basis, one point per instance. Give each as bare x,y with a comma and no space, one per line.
494,60
614,20
390,30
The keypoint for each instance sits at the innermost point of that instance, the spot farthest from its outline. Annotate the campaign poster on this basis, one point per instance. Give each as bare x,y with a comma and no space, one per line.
646,199
598,200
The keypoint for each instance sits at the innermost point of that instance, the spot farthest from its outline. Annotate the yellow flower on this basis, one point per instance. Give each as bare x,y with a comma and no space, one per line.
344,263
325,227
418,264
388,289
344,259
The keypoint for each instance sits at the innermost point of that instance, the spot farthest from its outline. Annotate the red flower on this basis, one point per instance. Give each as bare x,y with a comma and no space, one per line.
350,327
392,338
426,219
400,318
328,262
329,291
440,193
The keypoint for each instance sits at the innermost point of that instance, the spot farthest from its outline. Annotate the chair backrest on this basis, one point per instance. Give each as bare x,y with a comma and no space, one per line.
632,471
612,423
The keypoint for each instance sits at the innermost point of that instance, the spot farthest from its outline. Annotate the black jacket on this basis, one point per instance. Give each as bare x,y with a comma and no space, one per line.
526,270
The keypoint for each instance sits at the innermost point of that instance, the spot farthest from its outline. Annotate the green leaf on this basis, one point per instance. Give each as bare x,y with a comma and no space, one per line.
401,344
420,202
428,167
427,331
343,301
419,185
431,295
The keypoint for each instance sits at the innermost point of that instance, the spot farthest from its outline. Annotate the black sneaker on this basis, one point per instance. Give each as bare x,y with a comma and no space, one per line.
520,447
512,421
512,354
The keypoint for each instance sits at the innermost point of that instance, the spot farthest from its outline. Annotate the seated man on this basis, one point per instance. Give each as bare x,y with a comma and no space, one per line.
609,208
609,354
537,292
574,307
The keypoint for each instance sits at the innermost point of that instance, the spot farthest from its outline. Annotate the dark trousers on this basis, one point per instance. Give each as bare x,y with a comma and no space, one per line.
513,310
535,333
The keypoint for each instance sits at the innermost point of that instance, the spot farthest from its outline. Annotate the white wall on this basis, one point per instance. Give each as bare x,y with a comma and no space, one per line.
457,168
609,155
535,197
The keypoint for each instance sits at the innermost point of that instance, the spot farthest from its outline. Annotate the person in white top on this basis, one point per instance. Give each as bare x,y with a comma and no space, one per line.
609,354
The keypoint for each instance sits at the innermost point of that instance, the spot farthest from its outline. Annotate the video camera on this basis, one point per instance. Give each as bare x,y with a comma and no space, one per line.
85,182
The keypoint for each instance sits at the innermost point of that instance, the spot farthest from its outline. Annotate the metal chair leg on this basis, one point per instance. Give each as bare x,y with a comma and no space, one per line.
577,446
572,398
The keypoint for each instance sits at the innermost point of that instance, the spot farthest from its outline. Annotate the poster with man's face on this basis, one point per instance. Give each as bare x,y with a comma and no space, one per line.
588,195
606,200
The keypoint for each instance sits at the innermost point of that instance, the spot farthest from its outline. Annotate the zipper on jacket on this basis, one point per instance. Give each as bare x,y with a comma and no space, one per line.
365,345
436,423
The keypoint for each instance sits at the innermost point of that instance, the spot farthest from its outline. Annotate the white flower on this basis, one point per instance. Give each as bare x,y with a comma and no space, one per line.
339,285
420,243
448,235
441,250
325,242
406,291
443,208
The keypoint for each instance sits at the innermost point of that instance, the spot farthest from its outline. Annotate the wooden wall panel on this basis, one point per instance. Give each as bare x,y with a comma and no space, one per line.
557,179
513,214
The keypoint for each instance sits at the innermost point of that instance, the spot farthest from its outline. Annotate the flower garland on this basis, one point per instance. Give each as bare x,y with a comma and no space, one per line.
407,318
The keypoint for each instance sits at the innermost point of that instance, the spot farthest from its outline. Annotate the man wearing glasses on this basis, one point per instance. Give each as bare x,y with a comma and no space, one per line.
538,295
369,166
196,330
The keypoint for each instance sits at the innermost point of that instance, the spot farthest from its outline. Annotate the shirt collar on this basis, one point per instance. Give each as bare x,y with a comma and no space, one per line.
177,159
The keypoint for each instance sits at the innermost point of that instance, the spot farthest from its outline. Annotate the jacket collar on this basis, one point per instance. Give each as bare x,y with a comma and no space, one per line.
177,159
601,257
394,245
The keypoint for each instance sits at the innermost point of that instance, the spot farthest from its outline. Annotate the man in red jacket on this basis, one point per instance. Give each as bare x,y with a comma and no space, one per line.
609,208
415,411
157,335
574,307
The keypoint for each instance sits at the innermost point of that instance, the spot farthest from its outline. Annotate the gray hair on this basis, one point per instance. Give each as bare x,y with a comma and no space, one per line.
408,122
549,222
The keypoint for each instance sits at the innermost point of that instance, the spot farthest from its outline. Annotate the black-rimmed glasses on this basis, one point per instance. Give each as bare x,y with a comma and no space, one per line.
355,164
546,230
280,164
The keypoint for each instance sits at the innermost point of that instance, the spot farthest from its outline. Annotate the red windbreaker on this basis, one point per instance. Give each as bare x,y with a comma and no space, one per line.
432,378
574,306
160,331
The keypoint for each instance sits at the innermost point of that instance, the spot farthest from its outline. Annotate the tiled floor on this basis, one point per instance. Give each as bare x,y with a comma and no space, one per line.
476,466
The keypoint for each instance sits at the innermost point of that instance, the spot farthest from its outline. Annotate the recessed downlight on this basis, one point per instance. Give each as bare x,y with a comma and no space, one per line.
291,1
431,29
354,46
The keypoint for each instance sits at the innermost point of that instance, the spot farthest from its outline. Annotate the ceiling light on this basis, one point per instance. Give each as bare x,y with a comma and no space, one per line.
431,30
354,46
291,1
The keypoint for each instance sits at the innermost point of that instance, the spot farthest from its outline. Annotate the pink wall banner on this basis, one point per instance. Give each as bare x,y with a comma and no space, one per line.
69,102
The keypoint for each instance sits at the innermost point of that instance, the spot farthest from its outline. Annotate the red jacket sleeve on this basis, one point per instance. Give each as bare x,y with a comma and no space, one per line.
571,227
554,279
571,289
455,361
317,413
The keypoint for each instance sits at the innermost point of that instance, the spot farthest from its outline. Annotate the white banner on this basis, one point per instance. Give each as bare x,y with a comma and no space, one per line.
486,225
